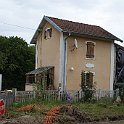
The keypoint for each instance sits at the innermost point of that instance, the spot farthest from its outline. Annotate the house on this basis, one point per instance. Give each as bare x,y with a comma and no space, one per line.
66,51
119,66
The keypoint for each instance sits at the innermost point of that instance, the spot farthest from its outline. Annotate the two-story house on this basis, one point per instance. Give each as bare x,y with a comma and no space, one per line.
65,49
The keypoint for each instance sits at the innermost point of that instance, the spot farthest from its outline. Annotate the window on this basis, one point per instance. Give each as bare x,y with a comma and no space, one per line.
48,33
90,50
86,78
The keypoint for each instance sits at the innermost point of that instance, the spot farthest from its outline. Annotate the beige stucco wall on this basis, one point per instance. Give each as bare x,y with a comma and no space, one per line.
77,60
49,55
49,52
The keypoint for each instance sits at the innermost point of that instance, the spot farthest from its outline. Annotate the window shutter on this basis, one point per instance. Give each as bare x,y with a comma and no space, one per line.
45,34
90,50
89,78
86,78
50,32
83,81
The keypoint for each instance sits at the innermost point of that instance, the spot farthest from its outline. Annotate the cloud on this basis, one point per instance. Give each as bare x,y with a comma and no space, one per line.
108,14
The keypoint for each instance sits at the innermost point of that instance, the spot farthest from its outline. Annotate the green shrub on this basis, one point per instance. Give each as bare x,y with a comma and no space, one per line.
88,95
87,86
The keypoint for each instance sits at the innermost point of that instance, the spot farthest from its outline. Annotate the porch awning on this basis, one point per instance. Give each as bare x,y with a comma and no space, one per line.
40,70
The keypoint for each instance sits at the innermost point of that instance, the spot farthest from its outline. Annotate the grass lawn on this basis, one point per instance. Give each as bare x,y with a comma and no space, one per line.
99,111
103,110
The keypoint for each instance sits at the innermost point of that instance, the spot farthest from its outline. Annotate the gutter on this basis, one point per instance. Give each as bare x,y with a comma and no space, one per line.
93,36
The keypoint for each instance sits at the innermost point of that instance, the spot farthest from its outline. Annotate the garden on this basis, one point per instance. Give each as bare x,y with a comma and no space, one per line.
39,111
59,108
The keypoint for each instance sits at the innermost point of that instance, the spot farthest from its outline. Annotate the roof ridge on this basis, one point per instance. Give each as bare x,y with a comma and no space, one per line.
73,21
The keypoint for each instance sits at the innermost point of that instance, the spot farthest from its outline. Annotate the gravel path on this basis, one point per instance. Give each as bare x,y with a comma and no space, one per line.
113,122
32,120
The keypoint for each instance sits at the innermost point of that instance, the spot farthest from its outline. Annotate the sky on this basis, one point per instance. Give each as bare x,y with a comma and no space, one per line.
22,17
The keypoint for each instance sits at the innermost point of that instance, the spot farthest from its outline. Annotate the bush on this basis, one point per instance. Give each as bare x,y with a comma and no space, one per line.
88,95
87,86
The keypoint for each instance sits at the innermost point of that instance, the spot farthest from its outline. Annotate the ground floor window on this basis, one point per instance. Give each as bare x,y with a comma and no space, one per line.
86,78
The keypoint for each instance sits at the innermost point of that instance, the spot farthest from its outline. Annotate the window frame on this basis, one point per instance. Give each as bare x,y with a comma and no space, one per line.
92,56
85,76
47,33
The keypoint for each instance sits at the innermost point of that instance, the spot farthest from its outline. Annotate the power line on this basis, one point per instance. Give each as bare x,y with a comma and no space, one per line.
17,26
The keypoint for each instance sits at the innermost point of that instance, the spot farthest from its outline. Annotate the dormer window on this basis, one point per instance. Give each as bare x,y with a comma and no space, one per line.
48,33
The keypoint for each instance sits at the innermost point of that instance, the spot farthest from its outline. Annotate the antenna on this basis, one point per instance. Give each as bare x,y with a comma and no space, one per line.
75,46
75,43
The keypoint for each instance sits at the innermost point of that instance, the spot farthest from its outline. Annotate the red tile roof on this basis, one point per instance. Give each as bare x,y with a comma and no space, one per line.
83,29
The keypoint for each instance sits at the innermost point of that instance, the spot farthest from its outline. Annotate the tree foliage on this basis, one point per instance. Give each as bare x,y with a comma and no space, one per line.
16,59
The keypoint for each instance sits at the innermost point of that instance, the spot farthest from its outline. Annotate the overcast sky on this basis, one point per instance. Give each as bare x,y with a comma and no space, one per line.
108,14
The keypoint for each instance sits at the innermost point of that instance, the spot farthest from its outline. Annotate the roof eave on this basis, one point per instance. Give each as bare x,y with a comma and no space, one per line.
120,40
53,24
91,36
40,27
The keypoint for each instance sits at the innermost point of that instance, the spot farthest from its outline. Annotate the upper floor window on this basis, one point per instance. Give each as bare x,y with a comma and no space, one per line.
90,49
48,33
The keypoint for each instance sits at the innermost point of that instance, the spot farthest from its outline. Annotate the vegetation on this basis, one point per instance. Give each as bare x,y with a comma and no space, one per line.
63,112
87,86
121,92
16,59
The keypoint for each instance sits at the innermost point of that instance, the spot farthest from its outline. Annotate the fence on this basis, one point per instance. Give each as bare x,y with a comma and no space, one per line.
22,96
62,95
12,96
8,97
74,95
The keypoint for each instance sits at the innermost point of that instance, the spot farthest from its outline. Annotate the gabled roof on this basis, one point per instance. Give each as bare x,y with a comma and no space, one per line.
76,28
119,46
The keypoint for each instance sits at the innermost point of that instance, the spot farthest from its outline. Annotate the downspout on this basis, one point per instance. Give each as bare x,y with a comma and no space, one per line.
65,61
36,59
112,67
36,55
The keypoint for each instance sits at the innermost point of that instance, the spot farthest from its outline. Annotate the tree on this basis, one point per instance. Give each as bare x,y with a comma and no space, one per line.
16,59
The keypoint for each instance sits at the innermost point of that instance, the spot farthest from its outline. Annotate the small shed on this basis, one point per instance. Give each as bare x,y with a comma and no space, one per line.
43,77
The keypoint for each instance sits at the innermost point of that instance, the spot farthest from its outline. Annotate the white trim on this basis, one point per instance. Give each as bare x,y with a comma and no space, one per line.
94,73
112,67
0,82
65,77
52,23
40,28
91,42
36,55
61,61
65,63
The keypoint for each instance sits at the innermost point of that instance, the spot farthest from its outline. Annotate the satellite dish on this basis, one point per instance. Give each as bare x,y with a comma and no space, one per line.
75,43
